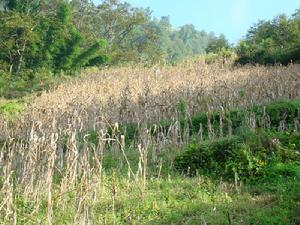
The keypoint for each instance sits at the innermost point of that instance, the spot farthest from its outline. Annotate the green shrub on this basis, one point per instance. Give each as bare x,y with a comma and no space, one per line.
282,110
247,155
283,169
221,157
288,139
29,81
11,108
211,58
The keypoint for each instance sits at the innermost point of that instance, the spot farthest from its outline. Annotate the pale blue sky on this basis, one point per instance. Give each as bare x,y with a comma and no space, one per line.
231,17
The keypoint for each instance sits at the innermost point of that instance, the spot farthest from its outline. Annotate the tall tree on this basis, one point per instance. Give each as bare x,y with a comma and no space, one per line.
33,35
273,41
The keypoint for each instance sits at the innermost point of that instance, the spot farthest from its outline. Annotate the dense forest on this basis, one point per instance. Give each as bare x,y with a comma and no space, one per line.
58,35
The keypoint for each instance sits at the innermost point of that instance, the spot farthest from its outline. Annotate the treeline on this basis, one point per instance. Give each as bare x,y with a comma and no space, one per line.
274,41
133,35
61,35
41,39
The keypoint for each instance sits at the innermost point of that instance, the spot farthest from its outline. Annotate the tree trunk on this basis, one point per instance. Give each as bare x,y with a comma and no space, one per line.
21,52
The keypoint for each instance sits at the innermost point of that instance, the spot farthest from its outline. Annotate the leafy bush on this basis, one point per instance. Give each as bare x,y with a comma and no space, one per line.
283,170
11,108
222,157
288,139
282,110
277,111
211,58
247,155
30,81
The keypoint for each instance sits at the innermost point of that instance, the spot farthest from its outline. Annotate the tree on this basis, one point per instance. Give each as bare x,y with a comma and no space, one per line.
92,56
271,42
217,44
22,6
112,20
34,36
220,47
17,32
132,35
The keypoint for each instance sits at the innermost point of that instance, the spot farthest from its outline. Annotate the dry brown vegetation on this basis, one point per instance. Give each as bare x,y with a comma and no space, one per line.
124,95
46,155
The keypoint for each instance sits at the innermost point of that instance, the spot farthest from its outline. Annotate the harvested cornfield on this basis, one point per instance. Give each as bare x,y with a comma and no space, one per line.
100,149
125,95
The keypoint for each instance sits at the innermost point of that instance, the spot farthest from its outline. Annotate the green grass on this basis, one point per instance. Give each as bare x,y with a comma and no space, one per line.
270,196
11,108
184,200
173,198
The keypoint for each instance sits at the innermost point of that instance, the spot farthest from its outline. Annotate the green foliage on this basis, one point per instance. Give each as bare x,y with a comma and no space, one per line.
288,139
91,55
216,45
218,49
43,39
122,26
34,39
30,81
99,60
276,171
10,109
181,200
63,12
247,155
212,58
132,35
181,109
281,110
12,4
16,33
271,42
222,157
178,44
278,111
24,6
